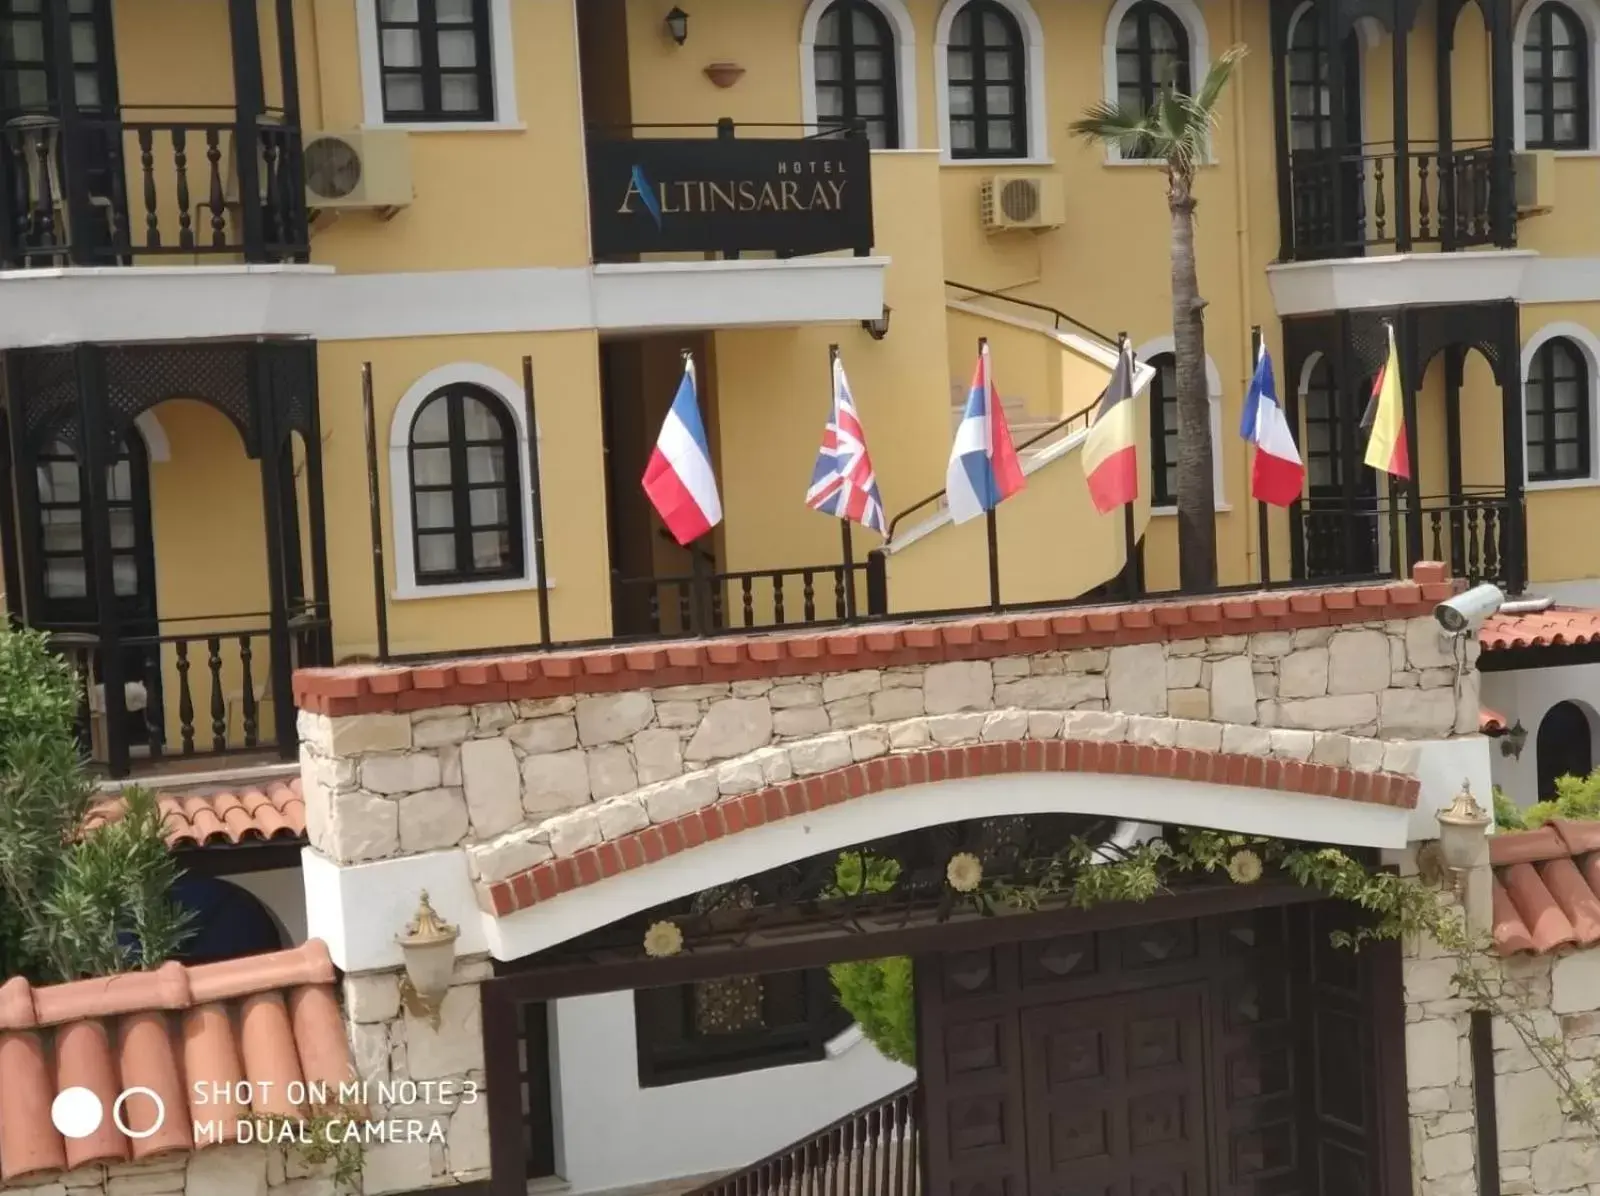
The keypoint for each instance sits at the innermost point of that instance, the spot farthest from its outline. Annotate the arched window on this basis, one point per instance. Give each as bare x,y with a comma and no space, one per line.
1556,419
1555,79
1324,457
1163,430
1152,53
465,493
1564,746
1310,109
854,58
988,83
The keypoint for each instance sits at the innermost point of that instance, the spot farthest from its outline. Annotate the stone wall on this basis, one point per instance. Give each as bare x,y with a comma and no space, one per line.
384,785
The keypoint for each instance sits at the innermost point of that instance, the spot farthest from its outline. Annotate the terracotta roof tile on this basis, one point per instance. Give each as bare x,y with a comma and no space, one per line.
265,1017
1554,627
1547,887
275,813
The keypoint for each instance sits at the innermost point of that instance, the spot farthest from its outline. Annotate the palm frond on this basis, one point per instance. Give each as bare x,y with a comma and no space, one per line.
1113,124
1204,101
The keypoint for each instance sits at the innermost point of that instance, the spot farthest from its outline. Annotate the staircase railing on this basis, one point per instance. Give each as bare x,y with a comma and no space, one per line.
874,1151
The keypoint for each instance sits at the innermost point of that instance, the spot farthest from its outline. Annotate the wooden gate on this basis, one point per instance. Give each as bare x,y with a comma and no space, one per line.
1240,1055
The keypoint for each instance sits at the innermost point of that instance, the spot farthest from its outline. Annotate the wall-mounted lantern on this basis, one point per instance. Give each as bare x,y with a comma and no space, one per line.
677,25
1460,845
429,947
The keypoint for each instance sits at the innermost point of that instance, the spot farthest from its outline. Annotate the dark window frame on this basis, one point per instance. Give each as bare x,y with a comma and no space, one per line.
846,83
461,487
1563,730
694,1057
1016,48
1540,402
428,29
1136,68
1538,43
1163,429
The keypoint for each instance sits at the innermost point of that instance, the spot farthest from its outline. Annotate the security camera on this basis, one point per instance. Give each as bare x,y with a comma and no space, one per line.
1466,612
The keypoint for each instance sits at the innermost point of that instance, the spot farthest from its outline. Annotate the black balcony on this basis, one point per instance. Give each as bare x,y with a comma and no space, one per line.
1476,534
114,191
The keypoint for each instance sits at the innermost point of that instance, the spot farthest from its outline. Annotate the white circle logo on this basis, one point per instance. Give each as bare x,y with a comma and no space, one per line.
76,1112
117,1106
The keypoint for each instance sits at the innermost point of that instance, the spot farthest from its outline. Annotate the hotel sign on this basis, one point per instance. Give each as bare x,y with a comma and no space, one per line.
730,195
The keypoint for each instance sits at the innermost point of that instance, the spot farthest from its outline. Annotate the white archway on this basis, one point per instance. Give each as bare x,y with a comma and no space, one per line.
1165,344
1033,58
1194,25
405,565
1588,14
1588,345
905,64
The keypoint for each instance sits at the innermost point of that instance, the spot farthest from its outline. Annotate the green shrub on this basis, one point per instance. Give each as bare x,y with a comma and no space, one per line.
1506,815
880,995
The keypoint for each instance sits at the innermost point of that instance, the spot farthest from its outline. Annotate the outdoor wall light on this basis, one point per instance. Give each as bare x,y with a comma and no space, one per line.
677,24
1460,845
879,328
429,947
1513,740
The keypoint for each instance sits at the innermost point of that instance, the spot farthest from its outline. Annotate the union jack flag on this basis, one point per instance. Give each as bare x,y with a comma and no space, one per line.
842,482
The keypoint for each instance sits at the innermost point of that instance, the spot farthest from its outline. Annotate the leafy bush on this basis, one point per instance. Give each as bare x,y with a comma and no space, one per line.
1506,815
880,995
1577,798
71,904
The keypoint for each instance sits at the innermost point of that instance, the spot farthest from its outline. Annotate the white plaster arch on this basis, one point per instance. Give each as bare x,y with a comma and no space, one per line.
1588,345
1588,14
156,445
1033,59
878,815
1194,25
1165,344
405,566
905,64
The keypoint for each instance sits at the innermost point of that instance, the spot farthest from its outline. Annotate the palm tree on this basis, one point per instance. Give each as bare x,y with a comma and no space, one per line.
1177,131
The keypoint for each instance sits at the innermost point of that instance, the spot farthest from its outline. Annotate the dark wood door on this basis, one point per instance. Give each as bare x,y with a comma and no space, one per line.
1114,1095
1227,1056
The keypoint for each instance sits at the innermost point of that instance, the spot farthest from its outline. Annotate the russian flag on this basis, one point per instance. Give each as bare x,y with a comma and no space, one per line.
1277,475
678,480
1111,449
984,470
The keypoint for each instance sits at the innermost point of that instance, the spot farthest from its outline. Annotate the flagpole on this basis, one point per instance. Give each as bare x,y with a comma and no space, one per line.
536,493
1263,532
699,583
1130,533
845,542
374,510
991,526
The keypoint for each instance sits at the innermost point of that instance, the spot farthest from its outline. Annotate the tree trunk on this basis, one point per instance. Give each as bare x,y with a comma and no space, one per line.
1197,529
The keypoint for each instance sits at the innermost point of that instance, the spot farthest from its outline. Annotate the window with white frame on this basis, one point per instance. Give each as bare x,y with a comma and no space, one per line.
855,68
987,65
1556,63
458,462
1162,398
1557,416
1152,54
437,64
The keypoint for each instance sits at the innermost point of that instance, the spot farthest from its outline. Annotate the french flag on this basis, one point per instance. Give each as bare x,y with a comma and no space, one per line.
984,470
678,480
1277,475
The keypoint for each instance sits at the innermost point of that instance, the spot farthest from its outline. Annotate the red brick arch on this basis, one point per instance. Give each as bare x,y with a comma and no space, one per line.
735,813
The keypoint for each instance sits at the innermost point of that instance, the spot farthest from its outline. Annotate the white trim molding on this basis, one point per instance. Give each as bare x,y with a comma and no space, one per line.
905,65
1588,345
1033,58
1397,279
1588,14
502,70
486,378
1165,344
1188,15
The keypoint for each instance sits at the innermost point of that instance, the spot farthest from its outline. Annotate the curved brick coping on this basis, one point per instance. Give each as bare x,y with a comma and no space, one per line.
589,845
373,689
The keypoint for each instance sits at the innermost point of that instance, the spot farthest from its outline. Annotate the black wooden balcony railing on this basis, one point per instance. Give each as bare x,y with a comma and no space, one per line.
873,1151
211,686
1343,202
1473,533
708,600
105,191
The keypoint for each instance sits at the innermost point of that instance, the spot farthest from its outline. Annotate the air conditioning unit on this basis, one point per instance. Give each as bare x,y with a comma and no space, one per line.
366,168
1535,172
1031,201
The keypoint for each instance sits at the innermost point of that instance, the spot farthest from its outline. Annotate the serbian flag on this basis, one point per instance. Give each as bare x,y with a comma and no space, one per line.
984,470
1386,447
678,480
1110,451
1277,475
842,482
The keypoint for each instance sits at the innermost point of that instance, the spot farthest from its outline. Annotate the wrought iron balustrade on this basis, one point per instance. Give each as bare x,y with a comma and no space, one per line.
1342,202
103,191
873,1151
